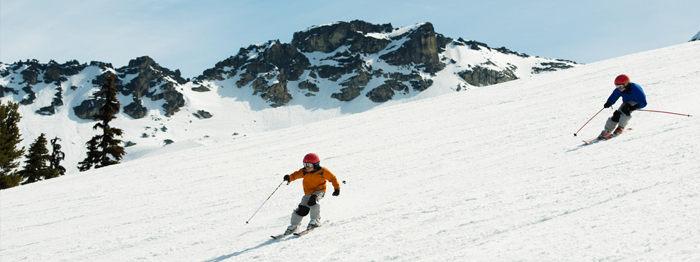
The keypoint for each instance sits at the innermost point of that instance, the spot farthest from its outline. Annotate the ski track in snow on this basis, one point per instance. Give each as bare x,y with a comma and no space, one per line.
491,174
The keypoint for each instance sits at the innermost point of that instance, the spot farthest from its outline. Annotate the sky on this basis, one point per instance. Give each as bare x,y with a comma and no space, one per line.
490,174
193,36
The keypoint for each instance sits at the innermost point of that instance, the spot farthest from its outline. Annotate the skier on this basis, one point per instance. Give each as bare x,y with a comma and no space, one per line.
633,98
315,177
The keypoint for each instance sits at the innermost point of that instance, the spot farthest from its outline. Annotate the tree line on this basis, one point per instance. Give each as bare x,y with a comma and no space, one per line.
103,149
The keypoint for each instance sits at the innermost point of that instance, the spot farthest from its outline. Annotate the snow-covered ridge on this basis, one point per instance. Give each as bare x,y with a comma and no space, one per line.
394,33
696,37
262,88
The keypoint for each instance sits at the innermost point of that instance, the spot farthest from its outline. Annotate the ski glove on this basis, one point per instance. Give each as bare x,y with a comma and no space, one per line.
606,105
286,178
336,192
627,108
312,201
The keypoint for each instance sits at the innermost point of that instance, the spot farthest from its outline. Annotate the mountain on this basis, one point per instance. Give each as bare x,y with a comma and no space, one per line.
326,71
696,37
492,174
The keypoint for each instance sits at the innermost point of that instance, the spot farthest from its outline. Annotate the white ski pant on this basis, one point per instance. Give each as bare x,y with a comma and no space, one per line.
618,118
314,211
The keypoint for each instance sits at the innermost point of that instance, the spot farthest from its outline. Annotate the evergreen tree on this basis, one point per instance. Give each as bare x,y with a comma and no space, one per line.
9,139
92,155
35,168
105,147
56,156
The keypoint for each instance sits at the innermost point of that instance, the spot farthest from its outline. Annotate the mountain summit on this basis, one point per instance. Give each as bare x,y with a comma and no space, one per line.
326,71
350,59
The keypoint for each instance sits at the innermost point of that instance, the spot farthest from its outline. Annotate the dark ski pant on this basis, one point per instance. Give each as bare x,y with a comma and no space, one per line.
304,209
619,118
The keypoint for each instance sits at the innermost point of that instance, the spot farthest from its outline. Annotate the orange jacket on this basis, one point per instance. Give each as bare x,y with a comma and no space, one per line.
315,181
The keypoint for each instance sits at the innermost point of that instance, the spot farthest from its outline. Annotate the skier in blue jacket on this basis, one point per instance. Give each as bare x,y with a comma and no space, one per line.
633,98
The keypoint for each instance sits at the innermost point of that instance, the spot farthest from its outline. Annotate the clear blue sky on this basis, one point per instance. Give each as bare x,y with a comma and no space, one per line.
193,35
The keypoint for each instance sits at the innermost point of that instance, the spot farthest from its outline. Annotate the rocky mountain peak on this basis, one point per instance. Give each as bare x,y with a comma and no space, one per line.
344,61
328,38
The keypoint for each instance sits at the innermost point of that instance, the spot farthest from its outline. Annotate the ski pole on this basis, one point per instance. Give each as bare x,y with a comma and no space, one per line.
589,120
268,198
664,112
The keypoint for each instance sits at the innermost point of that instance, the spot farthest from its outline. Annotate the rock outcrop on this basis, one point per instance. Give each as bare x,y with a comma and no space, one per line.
355,60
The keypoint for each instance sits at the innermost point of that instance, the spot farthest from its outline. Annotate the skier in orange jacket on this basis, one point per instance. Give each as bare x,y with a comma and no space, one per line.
314,181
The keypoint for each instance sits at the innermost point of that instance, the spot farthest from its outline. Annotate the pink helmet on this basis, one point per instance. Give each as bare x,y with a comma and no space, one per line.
622,80
311,158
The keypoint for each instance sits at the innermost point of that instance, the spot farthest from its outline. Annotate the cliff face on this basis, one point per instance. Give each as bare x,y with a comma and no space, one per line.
346,48
344,61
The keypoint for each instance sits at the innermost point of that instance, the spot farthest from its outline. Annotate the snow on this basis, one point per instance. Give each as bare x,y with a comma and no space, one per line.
395,33
237,110
491,174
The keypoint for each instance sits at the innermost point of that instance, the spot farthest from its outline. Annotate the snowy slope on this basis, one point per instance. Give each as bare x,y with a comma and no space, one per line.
491,174
236,109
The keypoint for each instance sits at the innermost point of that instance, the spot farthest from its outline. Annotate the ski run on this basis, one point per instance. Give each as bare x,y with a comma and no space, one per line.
489,174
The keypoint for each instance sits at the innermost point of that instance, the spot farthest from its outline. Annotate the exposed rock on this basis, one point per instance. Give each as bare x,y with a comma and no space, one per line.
47,110
422,48
31,96
473,45
30,76
343,54
245,80
57,101
695,38
201,89
551,66
353,87
421,85
309,86
54,72
202,114
7,90
482,76
277,94
286,59
135,110
89,108
149,76
174,99
152,81
328,38
332,73
385,92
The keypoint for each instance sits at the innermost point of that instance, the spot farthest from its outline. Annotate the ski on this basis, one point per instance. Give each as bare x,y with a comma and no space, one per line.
279,236
597,139
309,230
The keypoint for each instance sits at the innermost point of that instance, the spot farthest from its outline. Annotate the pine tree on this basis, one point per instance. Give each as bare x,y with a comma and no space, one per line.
9,139
92,155
35,168
104,149
56,156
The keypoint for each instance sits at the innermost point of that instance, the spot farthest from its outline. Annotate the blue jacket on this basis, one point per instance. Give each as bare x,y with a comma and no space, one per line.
635,93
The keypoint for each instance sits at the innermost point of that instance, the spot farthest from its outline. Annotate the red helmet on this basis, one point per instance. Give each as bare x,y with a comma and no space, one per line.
622,80
311,158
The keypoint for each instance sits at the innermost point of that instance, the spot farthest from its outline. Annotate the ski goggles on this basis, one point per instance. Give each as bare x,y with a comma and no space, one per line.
309,165
620,86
